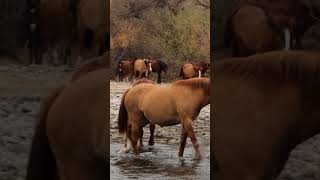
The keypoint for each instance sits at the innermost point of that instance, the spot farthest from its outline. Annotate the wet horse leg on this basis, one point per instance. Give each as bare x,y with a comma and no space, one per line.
187,124
134,135
183,141
151,140
141,135
159,77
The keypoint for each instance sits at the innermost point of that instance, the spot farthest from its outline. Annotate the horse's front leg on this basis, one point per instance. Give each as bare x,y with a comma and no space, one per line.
147,74
183,141
151,140
159,77
187,124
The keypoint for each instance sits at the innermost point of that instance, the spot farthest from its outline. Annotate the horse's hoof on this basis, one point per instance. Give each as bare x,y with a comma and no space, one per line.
136,152
197,156
124,150
151,143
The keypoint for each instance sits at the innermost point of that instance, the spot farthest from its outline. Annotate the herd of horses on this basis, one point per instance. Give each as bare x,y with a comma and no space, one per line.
141,68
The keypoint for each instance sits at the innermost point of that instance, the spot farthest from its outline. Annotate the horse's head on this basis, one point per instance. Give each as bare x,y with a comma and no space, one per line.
204,66
149,64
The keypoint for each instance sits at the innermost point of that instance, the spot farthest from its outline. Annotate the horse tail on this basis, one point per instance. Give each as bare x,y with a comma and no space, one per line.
41,163
123,115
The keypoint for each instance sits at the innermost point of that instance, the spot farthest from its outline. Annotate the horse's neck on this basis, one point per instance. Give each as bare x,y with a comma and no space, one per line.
202,98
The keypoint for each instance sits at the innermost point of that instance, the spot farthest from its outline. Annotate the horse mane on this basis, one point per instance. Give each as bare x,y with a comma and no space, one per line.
278,67
195,83
143,80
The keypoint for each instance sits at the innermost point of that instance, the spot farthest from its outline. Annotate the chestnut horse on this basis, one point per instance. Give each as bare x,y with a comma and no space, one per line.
251,31
193,69
264,106
70,141
141,68
165,106
158,67
125,69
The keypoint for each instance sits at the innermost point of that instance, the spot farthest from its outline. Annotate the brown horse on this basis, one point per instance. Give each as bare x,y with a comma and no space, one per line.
251,31
70,141
193,69
264,105
165,106
158,67
71,27
141,68
264,25
125,69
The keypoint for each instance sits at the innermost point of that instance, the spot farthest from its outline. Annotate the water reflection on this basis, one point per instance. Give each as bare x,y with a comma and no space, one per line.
161,162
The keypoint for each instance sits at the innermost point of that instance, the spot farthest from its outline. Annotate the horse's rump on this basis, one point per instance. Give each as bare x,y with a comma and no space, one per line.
41,163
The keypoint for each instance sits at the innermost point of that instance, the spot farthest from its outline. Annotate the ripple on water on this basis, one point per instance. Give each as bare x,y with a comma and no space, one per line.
159,162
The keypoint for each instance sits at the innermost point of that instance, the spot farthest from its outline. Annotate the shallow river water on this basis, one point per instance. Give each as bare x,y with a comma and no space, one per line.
160,161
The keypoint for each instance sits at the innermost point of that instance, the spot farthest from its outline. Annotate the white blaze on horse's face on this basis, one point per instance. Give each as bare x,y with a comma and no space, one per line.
287,39
199,74
150,68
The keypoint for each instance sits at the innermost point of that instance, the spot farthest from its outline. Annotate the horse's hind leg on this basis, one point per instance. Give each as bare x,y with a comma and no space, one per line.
184,136
187,124
134,135
159,77
141,135
151,140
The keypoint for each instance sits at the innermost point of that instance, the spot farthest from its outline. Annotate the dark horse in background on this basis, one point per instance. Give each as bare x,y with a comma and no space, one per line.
158,67
264,106
259,26
125,69
70,27
192,69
